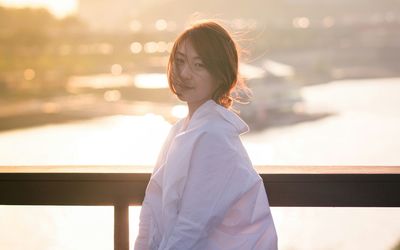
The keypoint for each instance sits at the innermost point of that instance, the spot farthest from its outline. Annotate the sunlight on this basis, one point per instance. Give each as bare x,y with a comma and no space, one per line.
60,8
151,81
179,111
58,227
113,140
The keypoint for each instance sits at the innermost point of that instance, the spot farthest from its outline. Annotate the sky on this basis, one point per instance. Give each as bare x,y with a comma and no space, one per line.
59,8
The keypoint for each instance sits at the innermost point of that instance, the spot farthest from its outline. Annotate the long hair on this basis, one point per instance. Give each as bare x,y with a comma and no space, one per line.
219,53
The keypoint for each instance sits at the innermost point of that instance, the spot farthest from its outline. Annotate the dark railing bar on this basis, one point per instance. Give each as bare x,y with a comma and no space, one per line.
121,226
286,186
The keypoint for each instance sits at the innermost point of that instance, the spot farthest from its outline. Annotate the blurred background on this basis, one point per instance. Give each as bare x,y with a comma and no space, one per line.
83,82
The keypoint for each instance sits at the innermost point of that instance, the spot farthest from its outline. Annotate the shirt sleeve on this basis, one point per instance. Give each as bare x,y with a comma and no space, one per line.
142,240
215,181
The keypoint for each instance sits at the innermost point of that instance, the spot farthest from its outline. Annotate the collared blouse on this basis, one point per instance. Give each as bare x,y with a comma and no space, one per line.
204,193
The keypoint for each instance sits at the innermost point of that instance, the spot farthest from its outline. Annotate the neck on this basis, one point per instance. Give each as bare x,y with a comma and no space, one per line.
193,106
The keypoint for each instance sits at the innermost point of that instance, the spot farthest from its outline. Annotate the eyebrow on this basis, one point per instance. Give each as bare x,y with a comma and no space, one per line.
183,54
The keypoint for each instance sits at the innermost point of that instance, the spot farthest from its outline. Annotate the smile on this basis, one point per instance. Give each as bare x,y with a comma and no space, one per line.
185,87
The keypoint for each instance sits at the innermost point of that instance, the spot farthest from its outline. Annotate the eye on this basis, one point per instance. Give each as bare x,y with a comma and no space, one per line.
199,65
179,61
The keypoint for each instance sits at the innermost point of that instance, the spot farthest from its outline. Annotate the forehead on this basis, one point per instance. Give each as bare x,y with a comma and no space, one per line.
186,49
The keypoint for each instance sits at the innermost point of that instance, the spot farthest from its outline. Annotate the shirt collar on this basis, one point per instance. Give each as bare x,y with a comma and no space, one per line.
228,115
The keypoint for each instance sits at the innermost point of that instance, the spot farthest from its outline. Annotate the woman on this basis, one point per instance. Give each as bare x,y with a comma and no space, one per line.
204,192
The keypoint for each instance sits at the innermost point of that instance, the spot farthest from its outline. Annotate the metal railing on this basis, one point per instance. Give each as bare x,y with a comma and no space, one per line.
122,186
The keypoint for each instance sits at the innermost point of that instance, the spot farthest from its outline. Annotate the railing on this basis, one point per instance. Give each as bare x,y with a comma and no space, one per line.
121,186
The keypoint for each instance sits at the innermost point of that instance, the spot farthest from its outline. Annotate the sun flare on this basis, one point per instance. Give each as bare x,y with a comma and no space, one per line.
60,8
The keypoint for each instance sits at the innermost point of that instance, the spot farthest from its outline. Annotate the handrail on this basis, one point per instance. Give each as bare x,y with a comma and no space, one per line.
121,186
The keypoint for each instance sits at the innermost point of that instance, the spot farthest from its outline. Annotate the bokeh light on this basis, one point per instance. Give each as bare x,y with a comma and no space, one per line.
151,47
116,69
112,95
29,74
162,47
161,25
136,47
105,48
328,22
50,107
301,22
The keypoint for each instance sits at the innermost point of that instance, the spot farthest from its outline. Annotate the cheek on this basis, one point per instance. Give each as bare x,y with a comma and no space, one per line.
205,85
211,85
204,88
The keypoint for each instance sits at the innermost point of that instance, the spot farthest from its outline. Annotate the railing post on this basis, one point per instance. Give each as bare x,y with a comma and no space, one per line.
121,226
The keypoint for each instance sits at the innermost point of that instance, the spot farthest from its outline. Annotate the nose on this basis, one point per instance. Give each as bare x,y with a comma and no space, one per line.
186,71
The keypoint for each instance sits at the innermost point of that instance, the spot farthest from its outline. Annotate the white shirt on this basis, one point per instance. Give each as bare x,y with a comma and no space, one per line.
204,193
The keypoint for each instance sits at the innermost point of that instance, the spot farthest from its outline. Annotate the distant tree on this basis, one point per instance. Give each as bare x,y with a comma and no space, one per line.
25,19
30,39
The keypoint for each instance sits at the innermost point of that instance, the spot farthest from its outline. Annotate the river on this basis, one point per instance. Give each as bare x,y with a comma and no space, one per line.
362,128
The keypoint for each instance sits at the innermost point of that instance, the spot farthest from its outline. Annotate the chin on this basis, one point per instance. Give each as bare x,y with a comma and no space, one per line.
181,97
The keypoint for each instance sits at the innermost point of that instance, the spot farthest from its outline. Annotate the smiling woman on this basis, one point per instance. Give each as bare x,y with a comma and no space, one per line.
60,8
204,192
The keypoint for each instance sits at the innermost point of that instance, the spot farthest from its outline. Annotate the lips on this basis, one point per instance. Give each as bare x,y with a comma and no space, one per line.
184,86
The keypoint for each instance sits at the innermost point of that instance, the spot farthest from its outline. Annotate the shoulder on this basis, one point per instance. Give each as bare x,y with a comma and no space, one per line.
226,121
215,124
216,133
176,127
177,124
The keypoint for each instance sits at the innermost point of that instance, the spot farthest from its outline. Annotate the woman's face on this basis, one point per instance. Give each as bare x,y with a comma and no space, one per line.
194,84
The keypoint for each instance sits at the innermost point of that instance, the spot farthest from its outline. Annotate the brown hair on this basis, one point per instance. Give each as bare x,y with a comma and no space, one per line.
219,53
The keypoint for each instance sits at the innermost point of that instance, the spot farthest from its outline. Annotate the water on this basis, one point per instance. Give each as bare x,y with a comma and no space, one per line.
363,128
